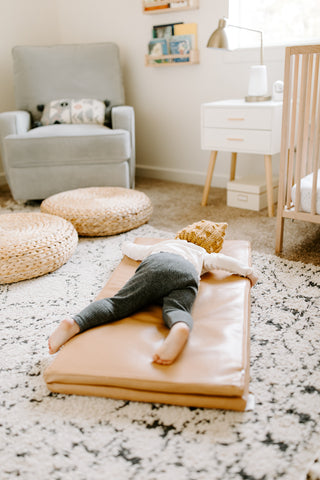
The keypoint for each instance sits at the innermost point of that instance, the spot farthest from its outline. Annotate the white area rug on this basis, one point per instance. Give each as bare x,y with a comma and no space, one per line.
53,436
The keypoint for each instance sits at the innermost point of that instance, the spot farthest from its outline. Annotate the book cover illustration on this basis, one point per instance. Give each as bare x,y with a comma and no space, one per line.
157,48
181,45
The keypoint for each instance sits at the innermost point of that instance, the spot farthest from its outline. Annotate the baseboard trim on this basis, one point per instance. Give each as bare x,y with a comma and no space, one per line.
170,174
182,176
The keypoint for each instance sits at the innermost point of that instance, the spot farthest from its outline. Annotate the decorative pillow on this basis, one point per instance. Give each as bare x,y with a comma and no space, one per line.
206,234
67,110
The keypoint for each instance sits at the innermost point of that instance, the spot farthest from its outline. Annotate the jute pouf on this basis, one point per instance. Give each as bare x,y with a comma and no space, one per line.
32,244
100,211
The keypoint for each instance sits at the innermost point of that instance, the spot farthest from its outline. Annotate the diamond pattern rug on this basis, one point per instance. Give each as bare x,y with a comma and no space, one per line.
54,436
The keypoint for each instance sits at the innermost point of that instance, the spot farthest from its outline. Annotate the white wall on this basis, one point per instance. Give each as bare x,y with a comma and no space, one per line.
166,99
22,23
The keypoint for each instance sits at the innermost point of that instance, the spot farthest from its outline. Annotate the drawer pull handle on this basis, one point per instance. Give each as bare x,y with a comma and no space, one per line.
235,139
236,119
242,198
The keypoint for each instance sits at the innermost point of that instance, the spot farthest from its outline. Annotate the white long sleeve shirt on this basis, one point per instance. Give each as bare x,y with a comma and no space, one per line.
198,256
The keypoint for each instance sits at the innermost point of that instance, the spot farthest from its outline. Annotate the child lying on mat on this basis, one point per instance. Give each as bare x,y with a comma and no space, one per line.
169,273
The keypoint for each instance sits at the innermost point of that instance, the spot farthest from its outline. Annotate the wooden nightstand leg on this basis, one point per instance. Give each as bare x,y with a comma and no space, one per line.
212,162
233,166
268,168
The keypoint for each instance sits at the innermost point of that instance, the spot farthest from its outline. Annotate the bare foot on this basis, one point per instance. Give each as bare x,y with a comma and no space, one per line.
173,344
67,329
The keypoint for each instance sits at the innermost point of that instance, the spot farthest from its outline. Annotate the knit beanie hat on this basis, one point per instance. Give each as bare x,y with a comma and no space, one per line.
206,234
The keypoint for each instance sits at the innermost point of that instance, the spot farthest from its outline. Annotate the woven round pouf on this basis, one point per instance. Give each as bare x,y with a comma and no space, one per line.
32,244
100,211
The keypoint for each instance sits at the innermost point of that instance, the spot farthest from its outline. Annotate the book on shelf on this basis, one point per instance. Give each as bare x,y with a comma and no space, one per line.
180,45
164,31
158,4
158,7
179,4
187,29
157,48
155,5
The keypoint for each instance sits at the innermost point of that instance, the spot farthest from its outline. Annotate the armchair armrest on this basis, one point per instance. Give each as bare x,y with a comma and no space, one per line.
122,117
12,123
15,122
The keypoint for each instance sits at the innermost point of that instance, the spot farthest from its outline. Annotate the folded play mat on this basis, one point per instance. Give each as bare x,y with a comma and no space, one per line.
115,360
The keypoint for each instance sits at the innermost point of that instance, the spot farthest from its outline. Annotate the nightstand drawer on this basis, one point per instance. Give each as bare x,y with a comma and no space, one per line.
250,141
237,118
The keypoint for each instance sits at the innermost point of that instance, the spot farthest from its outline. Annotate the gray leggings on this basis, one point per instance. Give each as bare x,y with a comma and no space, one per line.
162,278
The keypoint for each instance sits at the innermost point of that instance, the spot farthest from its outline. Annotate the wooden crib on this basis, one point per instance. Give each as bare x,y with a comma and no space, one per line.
299,177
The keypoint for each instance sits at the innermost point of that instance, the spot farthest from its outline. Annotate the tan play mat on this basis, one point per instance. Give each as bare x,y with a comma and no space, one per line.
115,360
100,211
32,244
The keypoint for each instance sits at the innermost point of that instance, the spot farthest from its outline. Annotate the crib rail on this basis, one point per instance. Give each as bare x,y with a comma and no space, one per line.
300,141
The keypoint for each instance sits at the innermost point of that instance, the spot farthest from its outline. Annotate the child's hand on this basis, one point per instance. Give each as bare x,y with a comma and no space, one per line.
253,278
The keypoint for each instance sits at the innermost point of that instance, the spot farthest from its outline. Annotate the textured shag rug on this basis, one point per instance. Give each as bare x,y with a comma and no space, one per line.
54,436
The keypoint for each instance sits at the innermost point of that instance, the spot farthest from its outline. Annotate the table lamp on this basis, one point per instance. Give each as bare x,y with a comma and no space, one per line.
258,82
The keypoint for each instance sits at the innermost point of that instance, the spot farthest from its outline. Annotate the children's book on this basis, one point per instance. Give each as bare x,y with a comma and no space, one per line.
188,29
158,47
164,31
181,45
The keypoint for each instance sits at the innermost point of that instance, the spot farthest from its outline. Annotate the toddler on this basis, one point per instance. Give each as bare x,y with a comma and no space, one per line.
169,275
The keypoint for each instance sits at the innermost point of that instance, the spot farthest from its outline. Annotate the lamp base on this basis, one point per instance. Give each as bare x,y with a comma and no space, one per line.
258,98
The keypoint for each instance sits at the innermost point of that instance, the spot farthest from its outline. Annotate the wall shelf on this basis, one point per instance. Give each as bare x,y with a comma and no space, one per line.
163,6
172,60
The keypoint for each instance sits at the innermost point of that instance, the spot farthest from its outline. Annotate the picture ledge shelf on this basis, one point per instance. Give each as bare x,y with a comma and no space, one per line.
172,60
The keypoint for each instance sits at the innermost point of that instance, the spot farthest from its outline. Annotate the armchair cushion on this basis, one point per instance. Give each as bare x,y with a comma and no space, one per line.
86,110
68,144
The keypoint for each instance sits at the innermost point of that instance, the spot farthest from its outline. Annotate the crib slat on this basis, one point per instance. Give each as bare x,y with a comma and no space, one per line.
293,124
284,152
314,193
301,119
313,123
316,161
306,123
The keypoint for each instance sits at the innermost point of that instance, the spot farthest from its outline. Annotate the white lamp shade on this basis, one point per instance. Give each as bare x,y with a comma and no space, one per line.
258,82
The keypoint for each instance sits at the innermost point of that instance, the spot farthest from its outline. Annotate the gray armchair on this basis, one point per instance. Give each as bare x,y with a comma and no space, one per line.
40,161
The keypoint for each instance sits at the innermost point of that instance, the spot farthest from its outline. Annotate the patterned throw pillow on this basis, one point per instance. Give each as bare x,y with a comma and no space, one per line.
67,110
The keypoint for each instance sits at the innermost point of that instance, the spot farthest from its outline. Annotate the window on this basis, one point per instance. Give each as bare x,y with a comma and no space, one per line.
283,22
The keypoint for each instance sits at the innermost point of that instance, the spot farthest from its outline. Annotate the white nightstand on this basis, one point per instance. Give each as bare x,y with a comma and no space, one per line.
238,126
